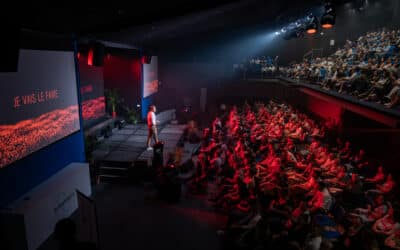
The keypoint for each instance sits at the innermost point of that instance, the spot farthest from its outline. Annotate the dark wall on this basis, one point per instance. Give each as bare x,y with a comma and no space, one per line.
124,73
181,83
350,24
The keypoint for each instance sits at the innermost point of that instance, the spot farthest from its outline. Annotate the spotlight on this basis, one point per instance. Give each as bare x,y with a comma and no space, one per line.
329,17
277,33
312,27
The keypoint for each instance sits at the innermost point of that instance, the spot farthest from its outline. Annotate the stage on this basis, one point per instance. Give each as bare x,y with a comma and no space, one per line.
126,148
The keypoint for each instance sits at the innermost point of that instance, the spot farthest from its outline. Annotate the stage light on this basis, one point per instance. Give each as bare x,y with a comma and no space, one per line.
312,27
277,33
329,17
311,31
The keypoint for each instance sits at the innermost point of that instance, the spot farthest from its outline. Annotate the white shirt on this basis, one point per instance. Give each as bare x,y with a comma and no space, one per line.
151,118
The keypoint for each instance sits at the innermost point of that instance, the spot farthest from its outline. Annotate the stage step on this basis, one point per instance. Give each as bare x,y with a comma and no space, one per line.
114,171
115,164
113,178
114,168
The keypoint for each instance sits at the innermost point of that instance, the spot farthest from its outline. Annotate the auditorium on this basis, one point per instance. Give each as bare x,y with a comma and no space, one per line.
201,125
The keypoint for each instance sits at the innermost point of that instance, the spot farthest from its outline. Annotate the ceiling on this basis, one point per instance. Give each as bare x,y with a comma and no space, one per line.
84,20
163,25
229,20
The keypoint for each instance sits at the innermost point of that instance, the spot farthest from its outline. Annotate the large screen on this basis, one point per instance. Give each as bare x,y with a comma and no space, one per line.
92,92
150,77
39,103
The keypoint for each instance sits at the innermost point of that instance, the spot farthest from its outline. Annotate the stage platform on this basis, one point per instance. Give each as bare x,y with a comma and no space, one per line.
129,143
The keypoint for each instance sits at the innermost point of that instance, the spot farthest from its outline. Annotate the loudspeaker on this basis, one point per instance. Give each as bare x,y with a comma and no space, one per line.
10,44
147,59
98,54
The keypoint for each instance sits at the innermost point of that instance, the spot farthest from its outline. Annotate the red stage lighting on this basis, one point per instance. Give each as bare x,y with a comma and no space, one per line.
327,26
311,31
90,57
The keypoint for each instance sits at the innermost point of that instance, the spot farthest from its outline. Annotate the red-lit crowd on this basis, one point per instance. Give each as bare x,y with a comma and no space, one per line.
284,187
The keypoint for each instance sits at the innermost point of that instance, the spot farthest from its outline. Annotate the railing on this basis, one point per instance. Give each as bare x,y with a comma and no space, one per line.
166,116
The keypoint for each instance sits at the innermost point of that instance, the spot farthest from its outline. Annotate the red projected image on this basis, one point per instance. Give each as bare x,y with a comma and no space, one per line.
150,77
27,136
150,88
93,108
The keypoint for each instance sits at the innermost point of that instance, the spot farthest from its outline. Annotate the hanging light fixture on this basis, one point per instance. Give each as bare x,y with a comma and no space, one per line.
329,17
312,27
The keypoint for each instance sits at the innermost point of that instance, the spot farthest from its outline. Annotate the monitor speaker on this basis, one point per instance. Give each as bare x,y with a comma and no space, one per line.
158,155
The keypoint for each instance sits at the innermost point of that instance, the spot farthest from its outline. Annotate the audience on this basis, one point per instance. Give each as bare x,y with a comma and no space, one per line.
367,69
283,186
258,67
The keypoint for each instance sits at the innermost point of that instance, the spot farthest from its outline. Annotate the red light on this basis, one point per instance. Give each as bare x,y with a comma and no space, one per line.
311,31
327,26
90,58
78,55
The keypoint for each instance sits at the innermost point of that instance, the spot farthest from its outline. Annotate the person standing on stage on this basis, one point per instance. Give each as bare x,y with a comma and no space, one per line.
151,123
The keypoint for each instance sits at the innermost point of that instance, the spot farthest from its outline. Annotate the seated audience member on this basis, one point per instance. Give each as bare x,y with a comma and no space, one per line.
393,241
394,99
384,188
370,214
378,178
387,224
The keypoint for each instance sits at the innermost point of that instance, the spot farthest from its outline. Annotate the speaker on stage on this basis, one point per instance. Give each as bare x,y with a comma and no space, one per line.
158,154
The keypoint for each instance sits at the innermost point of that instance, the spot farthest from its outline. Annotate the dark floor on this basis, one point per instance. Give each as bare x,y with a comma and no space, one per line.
131,217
